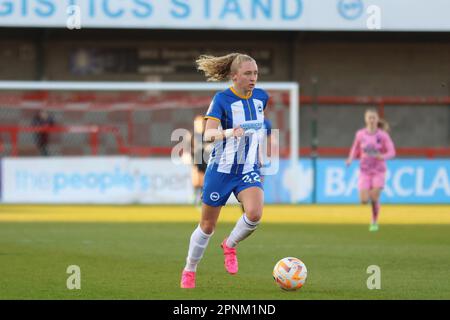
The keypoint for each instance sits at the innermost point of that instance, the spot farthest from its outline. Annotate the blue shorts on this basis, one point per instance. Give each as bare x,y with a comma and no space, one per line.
218,186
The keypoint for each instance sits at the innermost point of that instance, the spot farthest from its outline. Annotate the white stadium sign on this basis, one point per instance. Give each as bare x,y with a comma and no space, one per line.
387,15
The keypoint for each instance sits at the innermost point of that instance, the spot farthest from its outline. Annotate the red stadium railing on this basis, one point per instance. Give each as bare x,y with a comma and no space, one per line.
125,146
95,131
379,102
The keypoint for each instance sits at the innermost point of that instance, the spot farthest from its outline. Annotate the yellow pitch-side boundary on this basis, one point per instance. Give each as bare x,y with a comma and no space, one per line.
348,214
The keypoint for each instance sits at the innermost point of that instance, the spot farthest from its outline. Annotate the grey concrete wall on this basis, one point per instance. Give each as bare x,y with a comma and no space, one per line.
17,60
386,69
358,66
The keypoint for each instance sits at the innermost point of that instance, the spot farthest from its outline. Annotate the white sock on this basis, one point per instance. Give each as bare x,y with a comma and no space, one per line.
197,245
242,230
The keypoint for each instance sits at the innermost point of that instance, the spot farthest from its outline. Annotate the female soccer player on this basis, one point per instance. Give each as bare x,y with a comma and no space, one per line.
199,149
373,146
234,120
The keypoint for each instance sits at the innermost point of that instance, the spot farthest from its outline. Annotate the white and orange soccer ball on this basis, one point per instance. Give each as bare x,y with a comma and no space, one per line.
290,273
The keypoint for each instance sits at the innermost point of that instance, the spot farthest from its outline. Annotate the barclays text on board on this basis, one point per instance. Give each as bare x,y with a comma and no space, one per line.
407,181
402,15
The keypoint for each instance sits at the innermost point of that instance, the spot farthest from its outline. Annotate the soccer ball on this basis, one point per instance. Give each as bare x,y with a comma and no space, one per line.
290,273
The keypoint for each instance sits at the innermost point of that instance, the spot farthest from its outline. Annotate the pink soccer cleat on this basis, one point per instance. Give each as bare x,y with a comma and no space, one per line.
231,263
187,280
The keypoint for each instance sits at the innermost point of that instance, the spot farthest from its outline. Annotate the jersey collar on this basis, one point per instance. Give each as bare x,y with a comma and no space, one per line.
372,134
240,96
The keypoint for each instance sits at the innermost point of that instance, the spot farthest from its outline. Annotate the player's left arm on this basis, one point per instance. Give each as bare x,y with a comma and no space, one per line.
269,138
389,148
263,158
269,145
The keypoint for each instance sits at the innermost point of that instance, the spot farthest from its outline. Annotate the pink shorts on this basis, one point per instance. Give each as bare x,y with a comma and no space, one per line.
371,181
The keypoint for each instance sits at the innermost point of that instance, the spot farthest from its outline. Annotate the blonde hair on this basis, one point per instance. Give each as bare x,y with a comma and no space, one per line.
382,123
220,68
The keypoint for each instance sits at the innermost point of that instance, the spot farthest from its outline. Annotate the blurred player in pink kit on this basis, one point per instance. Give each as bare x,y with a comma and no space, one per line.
372,145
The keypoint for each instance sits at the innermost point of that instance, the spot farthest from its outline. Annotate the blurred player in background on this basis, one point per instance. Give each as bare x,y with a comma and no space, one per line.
42,119
373,146
200,154
234,121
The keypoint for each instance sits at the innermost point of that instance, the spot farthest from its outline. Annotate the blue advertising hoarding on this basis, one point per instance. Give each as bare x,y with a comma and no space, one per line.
123,180
277,187
420,181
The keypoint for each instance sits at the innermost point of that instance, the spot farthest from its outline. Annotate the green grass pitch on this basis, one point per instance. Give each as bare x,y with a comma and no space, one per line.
144,261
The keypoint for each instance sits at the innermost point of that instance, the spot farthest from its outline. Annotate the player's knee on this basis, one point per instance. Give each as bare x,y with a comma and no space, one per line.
254,214
374,197
364,200
207,226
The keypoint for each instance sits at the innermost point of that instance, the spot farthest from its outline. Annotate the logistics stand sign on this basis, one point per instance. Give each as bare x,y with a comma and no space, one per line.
326,15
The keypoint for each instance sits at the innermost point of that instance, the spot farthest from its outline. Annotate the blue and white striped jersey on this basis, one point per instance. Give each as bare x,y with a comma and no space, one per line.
237,155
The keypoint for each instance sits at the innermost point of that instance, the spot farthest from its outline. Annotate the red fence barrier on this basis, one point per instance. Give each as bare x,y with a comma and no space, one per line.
95,131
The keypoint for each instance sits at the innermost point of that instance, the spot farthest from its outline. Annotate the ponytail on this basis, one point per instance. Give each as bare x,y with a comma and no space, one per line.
220,68
383,125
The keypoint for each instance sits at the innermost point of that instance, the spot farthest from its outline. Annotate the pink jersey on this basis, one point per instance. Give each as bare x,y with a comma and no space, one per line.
367,146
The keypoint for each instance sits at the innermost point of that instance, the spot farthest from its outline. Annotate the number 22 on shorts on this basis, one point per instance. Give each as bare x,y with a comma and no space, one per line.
254,178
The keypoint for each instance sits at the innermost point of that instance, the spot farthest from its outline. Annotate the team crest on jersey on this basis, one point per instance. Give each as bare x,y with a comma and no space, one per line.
258,105
214,196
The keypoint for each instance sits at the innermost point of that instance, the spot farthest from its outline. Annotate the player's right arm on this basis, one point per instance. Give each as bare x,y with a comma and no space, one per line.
355,149
213,133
